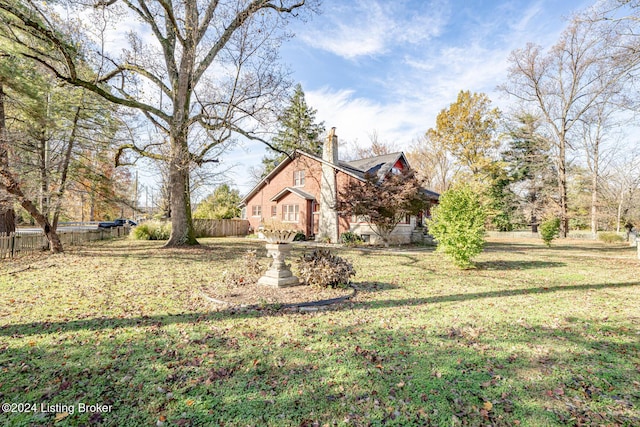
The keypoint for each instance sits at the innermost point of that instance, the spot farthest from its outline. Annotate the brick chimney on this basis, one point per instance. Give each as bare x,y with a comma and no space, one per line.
330,148
328,222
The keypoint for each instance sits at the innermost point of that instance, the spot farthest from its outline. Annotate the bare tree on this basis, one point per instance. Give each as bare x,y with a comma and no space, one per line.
621,189
599,126
353,150
565,83
167,78
432,162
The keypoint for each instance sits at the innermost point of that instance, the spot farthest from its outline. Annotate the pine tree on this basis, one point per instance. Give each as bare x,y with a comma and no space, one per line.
529,166
298,130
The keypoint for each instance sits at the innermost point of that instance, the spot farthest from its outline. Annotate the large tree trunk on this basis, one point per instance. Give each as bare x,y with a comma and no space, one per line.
9,184
65,170
182,231
594,190
7,217
562,188
620,210
7,214
43,163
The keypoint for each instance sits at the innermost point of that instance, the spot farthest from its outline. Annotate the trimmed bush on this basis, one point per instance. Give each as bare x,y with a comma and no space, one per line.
549,230
608,237
151,230
321,268
457,224
350,239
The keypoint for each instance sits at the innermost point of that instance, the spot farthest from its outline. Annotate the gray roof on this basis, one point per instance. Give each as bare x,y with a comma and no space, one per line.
376,166
430,194
296,191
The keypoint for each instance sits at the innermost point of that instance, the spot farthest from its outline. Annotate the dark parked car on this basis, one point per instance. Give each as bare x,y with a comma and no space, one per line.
117,223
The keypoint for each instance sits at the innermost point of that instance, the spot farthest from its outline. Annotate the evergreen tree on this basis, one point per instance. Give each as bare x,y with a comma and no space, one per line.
222,204
530,167
298,130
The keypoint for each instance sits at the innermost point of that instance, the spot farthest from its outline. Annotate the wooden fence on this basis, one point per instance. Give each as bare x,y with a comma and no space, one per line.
14,244
221,227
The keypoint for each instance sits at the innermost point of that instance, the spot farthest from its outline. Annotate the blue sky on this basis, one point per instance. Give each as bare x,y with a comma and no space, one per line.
391,66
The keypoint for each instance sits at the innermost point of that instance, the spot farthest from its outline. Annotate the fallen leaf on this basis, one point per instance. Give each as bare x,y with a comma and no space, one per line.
189,402
61,416
488,406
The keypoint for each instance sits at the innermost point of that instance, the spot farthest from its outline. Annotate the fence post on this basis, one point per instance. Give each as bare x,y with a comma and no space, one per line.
14,244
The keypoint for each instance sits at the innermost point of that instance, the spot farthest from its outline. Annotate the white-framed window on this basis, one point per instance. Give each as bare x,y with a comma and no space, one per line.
256,210
243,213
291,213
298,179
274,211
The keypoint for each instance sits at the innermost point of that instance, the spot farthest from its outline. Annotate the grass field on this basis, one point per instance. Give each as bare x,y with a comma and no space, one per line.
533,336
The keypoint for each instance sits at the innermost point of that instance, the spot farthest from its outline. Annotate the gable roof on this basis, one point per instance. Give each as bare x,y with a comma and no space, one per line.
298,192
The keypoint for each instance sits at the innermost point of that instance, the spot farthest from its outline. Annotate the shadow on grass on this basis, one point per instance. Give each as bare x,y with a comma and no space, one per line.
143,251
209,250
36,328
492,294
426,377
517,265
558,245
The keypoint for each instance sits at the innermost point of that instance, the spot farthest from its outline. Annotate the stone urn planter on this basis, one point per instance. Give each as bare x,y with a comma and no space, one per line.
279,274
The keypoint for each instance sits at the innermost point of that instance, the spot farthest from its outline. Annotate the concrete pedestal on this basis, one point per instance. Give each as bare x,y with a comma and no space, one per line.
279,274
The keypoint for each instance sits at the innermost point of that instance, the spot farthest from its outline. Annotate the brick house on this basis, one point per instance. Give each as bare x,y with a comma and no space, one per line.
303,189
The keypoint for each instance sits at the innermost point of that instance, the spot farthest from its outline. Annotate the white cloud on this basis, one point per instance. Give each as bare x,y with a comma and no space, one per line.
369,28
431,52
421,83
357,117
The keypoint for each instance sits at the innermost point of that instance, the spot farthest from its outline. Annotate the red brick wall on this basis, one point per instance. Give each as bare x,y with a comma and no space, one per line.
283,179
343,221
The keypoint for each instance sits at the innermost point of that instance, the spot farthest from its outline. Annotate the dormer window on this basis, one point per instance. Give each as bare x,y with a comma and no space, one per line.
298,179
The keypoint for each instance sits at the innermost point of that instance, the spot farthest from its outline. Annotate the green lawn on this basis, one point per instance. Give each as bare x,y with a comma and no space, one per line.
533,336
